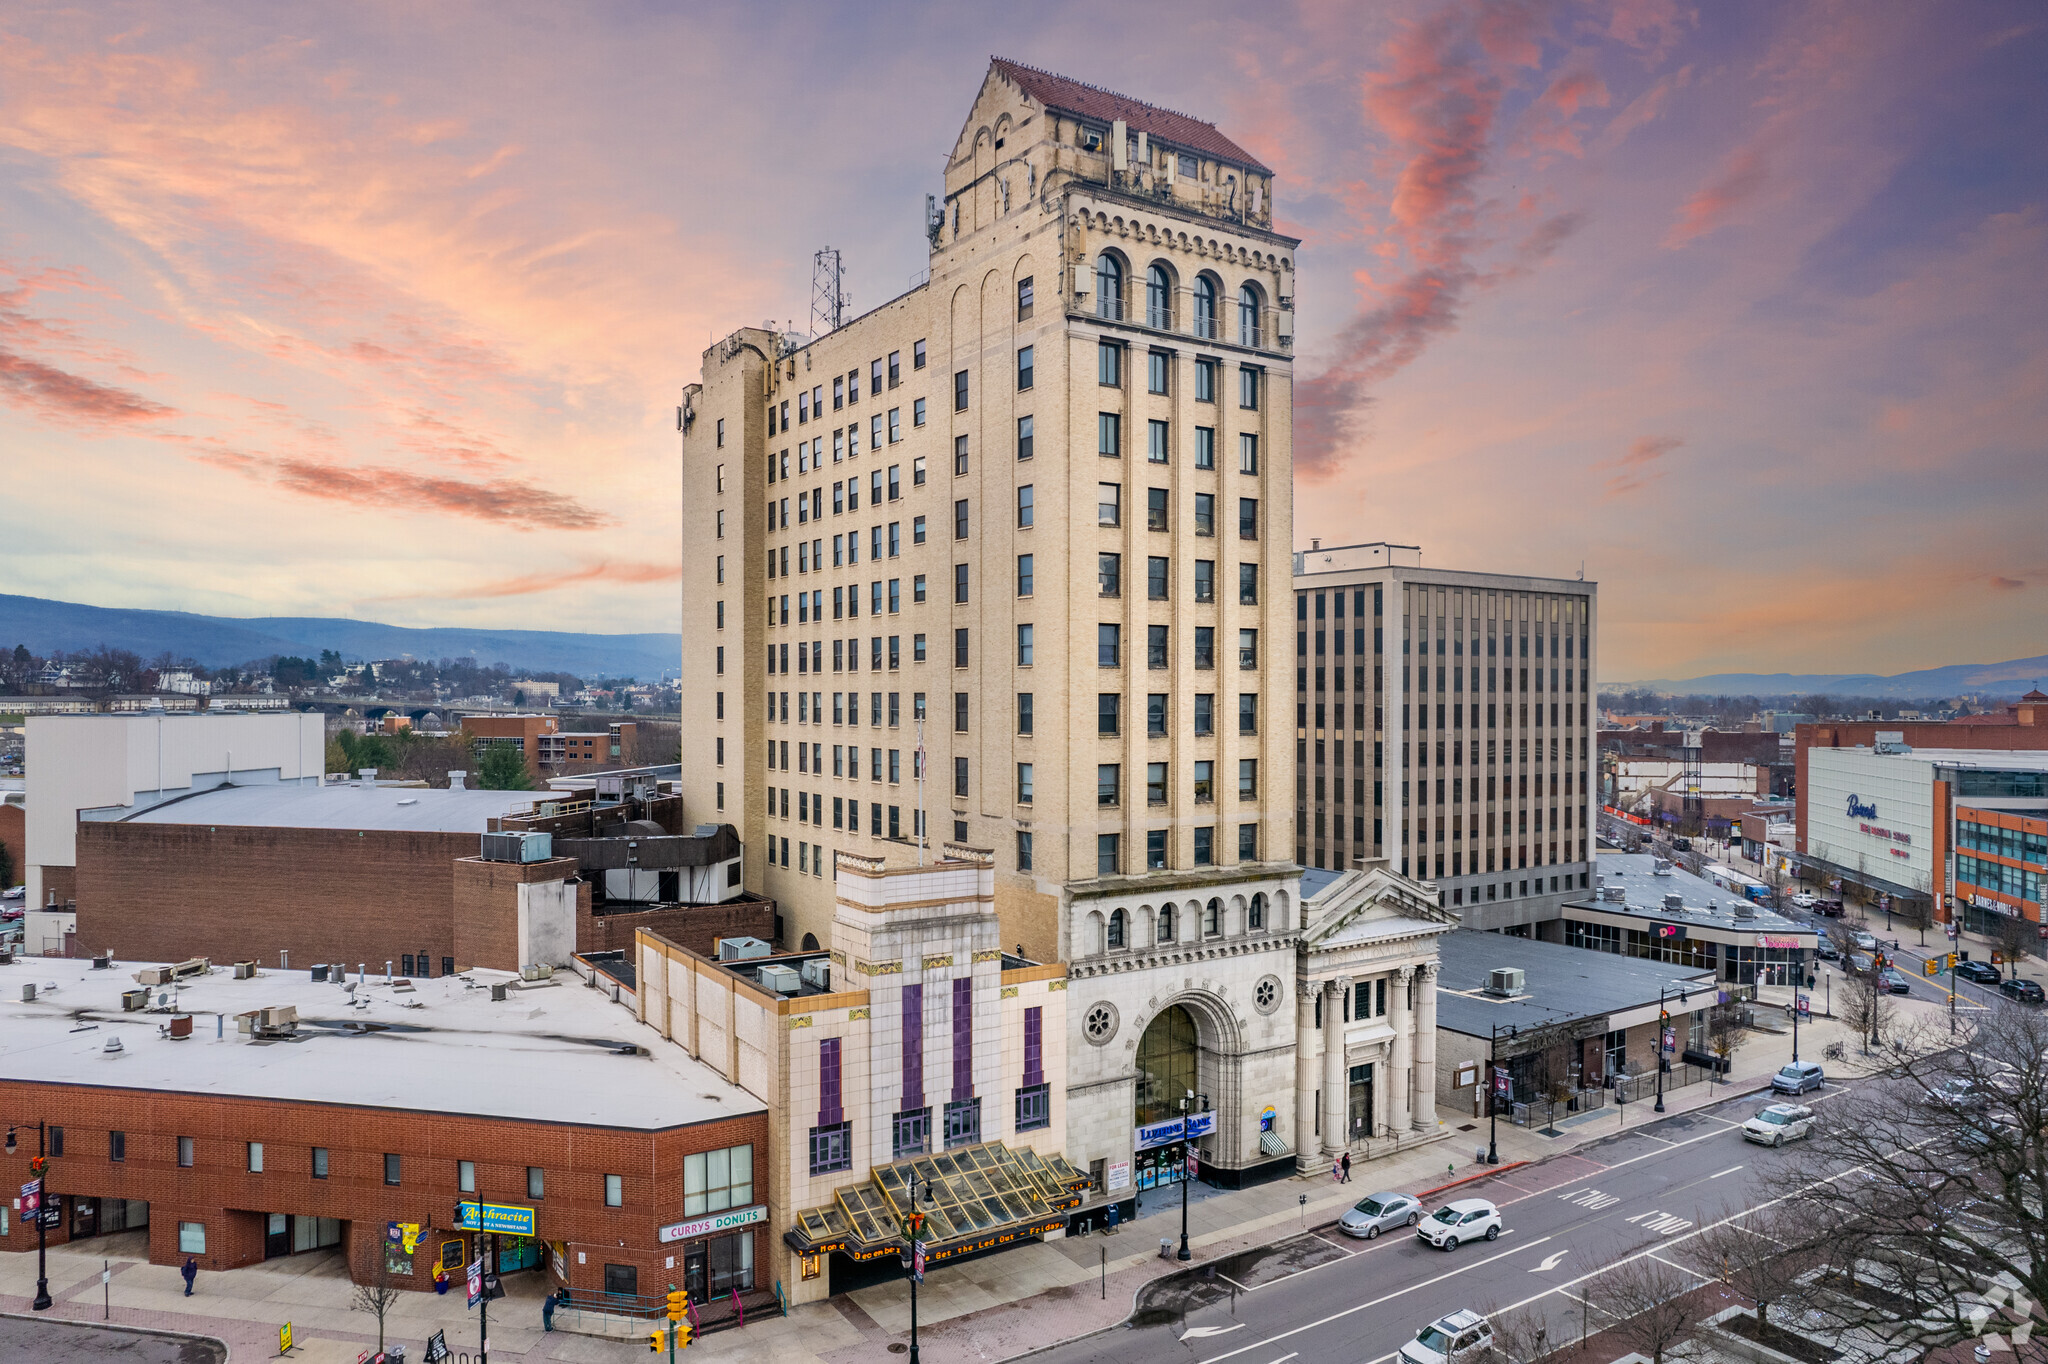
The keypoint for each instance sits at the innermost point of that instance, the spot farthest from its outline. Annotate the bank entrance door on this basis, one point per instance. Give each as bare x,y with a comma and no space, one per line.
1361,1103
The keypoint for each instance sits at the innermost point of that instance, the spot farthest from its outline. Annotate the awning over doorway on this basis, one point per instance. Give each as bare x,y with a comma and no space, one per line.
982,1196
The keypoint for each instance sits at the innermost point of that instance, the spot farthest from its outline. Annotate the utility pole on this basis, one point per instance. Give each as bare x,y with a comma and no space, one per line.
913,1227
1184,1253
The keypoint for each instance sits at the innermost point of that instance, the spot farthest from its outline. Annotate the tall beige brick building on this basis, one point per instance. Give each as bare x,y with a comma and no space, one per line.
1033,516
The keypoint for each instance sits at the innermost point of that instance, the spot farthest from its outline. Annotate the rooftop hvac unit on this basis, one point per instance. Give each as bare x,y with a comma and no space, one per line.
1743,909
134,1001
817,973
319,975
28,994
197,966
1674,904
1506,981
245,970
1616,894
1661,867
153,975
741,948
524,847
781,979
536,972
104,961
281,1016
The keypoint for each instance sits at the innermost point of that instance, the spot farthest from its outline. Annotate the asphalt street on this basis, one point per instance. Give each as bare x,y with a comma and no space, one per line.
1322,1298
65,1342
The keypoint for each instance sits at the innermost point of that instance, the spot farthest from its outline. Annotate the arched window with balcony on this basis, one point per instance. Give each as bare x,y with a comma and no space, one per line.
1212,918
1119,933
1205,308
1248,316
1258,911
1165,923
1158,299
1109,287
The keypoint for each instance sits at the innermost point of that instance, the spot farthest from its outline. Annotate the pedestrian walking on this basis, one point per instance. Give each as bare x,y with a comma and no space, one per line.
1336,1172
191,1272
1347,1168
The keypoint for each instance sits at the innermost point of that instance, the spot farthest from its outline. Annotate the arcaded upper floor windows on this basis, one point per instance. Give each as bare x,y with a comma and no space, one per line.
1109,287
1158,298
1205,308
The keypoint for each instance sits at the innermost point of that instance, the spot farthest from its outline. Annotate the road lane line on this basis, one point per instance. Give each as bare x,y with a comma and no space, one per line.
1729,1171
1232,1282
1389,1297
1332,1244
1204,1332
1283,1358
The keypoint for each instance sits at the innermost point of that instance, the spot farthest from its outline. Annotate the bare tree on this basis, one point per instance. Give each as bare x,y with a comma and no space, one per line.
2014,936
378,1295
1725,1032
1760,1257
1519,1337
1647,1298
1921,1192
1867,1006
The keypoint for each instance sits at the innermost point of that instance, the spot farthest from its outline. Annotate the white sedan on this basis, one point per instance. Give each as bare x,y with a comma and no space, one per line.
1779,1124
1802,901
1468,1219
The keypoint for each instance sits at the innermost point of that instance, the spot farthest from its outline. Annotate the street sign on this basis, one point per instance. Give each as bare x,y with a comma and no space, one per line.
437,1348
284,1338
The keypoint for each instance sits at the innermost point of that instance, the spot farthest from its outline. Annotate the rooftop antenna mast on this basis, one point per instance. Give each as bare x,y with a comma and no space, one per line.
828,293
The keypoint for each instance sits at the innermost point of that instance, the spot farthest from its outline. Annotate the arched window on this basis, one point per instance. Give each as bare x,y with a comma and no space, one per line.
1258,911
1205,308
810,943
1158,299
1248,316
1165,923
1109,287
1168,1066
1117,932
1212,918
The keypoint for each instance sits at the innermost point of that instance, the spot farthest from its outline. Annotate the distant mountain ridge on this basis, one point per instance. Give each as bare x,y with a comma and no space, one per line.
2011,678
223,641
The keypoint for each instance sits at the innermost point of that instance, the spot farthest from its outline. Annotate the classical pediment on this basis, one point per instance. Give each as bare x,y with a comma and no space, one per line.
1370,903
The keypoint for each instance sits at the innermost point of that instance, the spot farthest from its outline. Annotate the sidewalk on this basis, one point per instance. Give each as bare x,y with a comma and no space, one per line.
988,1309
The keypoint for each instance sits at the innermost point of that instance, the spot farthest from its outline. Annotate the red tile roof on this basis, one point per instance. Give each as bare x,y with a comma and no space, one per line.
1106,106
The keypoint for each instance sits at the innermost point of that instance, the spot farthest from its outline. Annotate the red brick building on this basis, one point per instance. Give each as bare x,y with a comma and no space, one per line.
358,873
382,1105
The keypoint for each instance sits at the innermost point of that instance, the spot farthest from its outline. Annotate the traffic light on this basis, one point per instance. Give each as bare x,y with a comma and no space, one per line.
685,1333
657,1339
678,1303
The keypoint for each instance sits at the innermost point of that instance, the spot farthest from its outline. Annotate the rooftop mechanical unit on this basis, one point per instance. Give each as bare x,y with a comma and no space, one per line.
781,979
741,948
817,973
522,847
1506,981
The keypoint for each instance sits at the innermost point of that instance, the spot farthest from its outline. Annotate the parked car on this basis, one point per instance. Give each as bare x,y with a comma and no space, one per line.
1468,1219
1827,908
1895,981
1825,950
1803,900
1982,972
1682,844
1798,1077
1380,1212
2022,991
1461,1335
1865,941
1961,1092
1778,1124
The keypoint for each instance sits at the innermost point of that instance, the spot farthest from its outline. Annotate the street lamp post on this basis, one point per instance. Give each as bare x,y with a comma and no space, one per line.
1492,1094
1184,1253
42,1173
913,1226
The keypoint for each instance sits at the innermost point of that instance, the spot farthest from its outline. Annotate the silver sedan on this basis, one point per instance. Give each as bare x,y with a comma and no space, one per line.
1380,1212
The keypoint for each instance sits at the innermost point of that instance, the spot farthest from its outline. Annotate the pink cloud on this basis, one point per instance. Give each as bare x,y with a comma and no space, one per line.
1738,183
520,506
532,584
1637,469
2006,584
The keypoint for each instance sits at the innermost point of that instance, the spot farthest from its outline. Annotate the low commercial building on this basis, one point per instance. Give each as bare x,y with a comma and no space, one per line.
1889,822
101,767
913,1047
246,1116
1557,1020
1647,908
362,872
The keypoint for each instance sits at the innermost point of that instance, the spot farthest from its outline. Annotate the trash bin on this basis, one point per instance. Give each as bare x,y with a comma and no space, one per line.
394,1354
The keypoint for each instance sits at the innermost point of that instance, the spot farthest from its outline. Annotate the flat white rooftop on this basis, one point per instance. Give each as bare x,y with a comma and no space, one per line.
416,809
550,1053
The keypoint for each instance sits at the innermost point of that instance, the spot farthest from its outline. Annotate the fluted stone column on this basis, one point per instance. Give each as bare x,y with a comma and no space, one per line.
1307,1047
1425,1048
1402,1081
1336,1078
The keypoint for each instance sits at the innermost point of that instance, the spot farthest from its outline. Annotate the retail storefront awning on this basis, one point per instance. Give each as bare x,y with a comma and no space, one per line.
981,1197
